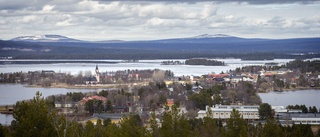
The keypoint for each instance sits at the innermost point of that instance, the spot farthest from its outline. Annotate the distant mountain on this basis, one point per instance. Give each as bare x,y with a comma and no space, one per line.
207,38
110,41
45,38
204,38
211,46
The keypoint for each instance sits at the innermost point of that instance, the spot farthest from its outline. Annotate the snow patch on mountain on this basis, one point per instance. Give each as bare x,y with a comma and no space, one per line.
45,38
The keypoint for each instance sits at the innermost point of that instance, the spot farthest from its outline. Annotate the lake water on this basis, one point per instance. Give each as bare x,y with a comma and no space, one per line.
179,70
301,97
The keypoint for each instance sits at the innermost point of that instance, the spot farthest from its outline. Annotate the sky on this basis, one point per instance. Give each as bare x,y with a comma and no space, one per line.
159,19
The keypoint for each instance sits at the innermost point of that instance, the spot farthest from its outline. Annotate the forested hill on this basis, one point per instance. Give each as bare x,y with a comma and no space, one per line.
194,47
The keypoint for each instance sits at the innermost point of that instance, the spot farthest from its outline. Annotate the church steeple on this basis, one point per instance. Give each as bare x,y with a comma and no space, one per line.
97,74
97,70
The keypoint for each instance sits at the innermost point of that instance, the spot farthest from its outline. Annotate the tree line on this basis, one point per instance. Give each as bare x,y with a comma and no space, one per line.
205,62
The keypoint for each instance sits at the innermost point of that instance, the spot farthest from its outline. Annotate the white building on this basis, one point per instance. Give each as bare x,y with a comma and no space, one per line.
307,120
279,109
224,111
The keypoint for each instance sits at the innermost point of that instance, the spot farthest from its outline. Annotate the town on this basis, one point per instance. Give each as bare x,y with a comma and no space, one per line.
149,96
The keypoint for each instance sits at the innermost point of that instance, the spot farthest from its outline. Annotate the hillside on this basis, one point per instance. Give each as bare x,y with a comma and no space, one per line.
219,45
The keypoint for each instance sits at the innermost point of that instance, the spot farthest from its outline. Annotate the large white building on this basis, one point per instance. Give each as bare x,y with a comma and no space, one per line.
224,111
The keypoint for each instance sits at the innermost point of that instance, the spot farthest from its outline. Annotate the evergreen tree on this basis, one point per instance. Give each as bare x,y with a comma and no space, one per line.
236,126
271,129
265,111
109,107
34,118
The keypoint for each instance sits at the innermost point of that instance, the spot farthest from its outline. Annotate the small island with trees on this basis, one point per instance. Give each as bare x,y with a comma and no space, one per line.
171,62
205,62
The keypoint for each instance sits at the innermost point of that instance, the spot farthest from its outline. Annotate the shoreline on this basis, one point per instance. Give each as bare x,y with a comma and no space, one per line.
98,86
83,86
101,86
292,89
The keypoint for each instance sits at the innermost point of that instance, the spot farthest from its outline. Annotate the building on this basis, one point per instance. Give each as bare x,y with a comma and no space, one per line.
95,97
114,118
82,103
97,74
91,81
288,119
224,111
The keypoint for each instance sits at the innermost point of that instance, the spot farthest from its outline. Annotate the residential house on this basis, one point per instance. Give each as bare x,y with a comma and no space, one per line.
83,102
115,118
65,107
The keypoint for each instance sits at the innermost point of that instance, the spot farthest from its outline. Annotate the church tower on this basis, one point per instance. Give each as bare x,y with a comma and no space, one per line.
97,74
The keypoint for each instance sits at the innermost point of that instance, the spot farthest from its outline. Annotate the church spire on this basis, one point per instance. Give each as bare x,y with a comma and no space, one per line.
97,74
97,69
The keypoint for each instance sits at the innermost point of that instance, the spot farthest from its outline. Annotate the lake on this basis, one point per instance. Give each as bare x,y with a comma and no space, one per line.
178,70
309,97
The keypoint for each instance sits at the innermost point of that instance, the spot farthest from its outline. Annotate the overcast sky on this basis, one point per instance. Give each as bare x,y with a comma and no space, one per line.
157,19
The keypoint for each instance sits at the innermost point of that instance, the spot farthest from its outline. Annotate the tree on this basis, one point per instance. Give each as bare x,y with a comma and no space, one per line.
106,122
34,118
154,125
162,99
201,100
3,131
89,106
217,98
271,129
236,126
109,107
265,111
174,124
209,127
264,86
132,127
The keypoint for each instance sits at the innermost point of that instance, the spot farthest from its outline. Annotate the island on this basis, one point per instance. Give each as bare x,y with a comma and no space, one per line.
171,62
205,62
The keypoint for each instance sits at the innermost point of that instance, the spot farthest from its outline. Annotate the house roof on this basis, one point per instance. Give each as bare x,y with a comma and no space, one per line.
91,79
218,75
236,77
85,99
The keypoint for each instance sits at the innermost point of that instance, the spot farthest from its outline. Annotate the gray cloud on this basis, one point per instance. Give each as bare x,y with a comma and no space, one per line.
224,1
154,19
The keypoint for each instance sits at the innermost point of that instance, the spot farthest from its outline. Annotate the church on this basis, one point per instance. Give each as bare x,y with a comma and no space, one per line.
93,80
97,74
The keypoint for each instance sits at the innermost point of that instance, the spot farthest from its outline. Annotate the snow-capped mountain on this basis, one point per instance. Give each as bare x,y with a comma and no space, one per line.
45,38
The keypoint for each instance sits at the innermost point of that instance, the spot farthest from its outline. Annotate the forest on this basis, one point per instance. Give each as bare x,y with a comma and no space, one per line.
205,62
139,51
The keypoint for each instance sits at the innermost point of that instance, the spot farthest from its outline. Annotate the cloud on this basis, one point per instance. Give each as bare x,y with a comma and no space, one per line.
153,19
225,1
